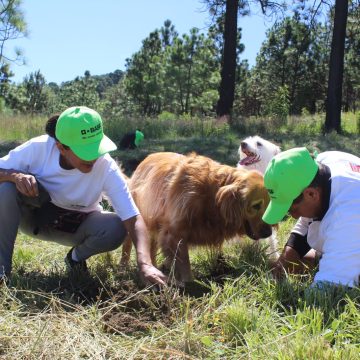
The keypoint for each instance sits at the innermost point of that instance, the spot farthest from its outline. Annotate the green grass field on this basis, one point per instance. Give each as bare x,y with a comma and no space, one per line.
234,310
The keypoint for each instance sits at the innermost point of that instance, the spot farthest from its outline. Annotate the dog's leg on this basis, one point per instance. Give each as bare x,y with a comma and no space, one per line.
182,262
176,254
154,250
126,251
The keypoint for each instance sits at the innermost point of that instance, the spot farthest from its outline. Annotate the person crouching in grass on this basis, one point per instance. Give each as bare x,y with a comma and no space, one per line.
51,187
324,195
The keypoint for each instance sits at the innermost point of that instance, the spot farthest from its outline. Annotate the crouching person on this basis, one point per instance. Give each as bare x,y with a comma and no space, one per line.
51,188
324,195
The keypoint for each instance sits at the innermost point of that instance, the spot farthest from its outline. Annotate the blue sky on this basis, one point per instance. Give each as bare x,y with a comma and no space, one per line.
67,37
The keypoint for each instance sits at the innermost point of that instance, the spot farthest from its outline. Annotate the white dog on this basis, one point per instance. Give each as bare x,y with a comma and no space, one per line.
255,153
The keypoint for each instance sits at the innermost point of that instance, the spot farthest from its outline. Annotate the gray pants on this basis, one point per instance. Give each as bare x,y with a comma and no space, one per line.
99,232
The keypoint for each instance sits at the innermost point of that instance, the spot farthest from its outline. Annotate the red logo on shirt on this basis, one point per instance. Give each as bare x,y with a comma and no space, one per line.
355,167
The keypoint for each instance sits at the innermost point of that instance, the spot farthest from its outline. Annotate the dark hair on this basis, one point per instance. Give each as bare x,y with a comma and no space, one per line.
50,128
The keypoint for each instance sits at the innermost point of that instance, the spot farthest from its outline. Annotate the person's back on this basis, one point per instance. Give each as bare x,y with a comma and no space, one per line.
337,236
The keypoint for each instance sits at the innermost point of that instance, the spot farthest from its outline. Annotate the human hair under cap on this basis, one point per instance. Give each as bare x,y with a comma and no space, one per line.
81,129
286,177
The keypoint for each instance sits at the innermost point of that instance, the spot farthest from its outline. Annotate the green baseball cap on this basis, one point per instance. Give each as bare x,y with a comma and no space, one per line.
139,137
286,177
81,129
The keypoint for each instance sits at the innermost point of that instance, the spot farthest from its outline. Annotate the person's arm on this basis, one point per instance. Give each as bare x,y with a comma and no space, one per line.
25,183
297,255
290,261
138,232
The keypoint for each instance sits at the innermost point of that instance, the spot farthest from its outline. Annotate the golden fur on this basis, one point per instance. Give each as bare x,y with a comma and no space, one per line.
193,200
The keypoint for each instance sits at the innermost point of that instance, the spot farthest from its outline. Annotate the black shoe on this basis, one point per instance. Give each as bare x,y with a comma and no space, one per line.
75,266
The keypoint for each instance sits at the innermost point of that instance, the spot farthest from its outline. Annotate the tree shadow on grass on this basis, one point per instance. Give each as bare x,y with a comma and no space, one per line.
35,289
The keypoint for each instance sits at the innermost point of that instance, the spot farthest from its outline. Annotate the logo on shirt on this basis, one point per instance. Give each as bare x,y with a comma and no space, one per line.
355,167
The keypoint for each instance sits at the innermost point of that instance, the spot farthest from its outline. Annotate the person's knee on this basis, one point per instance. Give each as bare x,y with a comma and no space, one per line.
9,205
112,232
117,235
8,193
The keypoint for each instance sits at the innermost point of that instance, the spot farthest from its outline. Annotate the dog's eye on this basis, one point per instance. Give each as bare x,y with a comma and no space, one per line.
257,205
259,143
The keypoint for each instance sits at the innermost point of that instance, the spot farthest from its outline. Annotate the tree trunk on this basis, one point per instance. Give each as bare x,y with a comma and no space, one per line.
227,84
334,92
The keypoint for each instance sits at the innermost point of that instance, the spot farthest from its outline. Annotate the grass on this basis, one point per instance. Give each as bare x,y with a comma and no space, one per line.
21,127
235,310
243,312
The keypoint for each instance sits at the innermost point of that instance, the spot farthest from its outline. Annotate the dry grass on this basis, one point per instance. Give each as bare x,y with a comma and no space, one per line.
235,311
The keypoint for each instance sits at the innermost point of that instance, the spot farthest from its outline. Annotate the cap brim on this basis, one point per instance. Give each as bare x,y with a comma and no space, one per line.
275,212
94,150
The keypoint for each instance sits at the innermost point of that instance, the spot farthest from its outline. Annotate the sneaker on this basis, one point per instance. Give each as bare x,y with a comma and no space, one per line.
75,266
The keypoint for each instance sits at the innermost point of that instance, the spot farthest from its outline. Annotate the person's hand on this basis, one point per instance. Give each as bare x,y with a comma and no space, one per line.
152,275
26,184
277,270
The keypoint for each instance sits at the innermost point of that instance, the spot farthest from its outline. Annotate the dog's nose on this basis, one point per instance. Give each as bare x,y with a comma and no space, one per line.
266,231
243,145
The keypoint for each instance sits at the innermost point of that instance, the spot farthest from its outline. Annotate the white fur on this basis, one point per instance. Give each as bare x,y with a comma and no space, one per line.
255,153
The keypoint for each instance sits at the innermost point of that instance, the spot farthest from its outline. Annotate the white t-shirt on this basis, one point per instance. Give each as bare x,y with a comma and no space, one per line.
72,189
337,235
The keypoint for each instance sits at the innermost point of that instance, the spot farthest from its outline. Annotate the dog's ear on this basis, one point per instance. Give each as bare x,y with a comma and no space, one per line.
230,203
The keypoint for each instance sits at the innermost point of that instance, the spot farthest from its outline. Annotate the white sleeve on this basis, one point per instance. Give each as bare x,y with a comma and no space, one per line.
117,191
302,226
19,159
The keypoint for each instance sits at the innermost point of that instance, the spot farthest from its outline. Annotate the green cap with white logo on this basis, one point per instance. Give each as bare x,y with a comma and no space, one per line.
286,177
81,129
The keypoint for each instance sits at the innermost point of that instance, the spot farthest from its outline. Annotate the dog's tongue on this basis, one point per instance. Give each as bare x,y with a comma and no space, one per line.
249,160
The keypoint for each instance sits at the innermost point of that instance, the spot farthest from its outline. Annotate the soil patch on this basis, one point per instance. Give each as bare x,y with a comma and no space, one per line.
138,310
123,323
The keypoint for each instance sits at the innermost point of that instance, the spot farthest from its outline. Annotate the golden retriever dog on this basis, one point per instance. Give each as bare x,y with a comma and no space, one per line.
194,201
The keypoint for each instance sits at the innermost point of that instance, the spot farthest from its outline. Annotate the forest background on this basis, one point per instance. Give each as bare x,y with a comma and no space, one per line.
181,76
